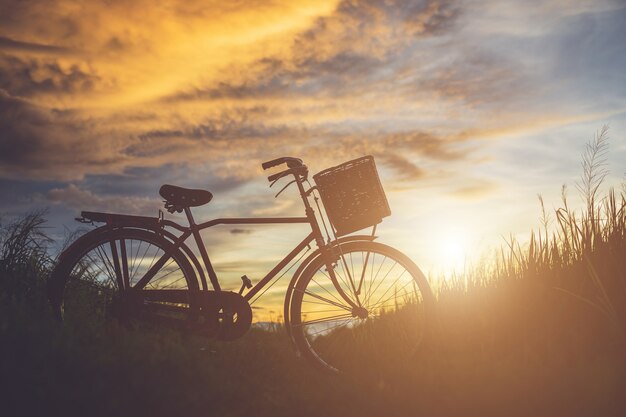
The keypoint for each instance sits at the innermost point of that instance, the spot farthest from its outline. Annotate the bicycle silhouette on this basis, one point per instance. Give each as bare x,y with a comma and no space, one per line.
349,302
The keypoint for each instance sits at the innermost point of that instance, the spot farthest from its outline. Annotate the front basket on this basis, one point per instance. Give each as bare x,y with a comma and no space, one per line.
352,195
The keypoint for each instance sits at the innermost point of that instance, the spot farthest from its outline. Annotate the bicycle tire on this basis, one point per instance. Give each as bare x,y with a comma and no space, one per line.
328,333
83,287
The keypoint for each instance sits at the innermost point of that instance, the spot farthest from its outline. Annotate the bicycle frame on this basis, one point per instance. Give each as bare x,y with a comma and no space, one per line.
194,229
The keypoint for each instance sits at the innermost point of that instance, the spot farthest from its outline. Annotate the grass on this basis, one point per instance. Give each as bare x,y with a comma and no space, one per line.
538,330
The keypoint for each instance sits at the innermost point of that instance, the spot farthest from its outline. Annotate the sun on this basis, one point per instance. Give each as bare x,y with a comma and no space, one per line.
454,251
452,248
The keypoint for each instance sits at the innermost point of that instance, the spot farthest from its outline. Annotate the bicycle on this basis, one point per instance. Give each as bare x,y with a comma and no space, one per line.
349,301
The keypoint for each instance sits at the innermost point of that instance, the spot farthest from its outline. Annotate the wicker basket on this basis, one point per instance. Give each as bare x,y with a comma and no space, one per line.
352,195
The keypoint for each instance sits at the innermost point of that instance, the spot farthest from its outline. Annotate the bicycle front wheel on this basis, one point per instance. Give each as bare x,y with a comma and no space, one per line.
98,272
382,325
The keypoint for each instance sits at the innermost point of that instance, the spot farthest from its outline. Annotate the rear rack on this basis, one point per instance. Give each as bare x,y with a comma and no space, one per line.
118,219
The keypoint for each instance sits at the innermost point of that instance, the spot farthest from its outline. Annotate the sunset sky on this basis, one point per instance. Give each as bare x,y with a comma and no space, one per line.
471,109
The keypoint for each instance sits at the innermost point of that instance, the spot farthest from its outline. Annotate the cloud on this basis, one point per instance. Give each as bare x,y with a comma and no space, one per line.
372,28
234,125
77,198
330,96
354,47
428,144
199,90
8,44
33,76
146,181
41,143
474,189
241,231
147,49
36,142
278,208
405,169
27,133
477,79
350,41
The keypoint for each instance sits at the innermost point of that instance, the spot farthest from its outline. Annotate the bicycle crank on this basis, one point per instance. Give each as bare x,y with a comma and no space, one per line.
234,315
224,314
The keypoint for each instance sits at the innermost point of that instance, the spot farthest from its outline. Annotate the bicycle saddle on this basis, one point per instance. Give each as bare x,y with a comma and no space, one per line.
180,197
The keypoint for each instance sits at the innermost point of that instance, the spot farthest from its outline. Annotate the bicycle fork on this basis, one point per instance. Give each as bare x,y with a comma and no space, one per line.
331,262
357,309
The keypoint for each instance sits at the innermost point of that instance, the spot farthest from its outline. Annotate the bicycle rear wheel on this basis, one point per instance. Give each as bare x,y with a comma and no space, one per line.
97,275
393,300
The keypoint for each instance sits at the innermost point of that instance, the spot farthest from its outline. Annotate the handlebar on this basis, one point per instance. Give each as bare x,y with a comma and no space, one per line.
290,161
296,168
301,170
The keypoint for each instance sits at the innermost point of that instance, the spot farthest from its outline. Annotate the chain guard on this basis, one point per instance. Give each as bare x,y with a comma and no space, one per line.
224,314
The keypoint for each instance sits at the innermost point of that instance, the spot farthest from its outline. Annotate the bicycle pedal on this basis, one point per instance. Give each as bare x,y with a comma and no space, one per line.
246,283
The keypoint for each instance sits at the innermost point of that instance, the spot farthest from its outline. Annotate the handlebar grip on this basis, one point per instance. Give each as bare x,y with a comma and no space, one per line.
300,170
278,175
272,163
290,161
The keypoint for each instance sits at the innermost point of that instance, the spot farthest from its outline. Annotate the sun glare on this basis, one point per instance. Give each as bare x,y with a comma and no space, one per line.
452,250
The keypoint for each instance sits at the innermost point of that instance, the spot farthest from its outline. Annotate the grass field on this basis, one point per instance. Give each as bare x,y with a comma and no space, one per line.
538,330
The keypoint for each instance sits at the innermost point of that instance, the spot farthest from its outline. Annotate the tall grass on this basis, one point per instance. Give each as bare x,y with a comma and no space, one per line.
584,256
24,259
562,291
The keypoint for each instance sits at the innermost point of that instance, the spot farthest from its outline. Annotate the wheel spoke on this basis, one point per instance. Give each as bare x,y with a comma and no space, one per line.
325,319
391,286
100,267
154,269
380,305
381,281
358,290
340,277
141,261
330,310
116,265
134,258
172,283
350,279
153,259
107,264
373,279
317,302
342,323
319,297
389,289
94,263
124,263
327,291
153,281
